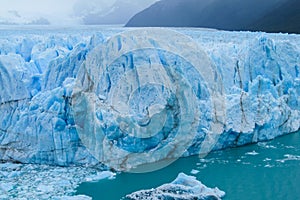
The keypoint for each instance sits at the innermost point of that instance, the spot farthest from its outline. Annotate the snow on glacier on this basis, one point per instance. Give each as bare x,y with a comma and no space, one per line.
260,74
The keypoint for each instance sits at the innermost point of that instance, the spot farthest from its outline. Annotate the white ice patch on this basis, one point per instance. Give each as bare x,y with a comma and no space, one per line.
45,182
289,157
101,175
266,145
183,187
252,153
194,171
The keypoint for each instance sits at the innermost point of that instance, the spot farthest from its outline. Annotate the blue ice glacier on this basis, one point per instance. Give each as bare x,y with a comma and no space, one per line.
259,73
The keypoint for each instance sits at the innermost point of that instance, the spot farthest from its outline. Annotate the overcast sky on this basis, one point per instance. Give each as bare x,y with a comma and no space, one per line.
59,11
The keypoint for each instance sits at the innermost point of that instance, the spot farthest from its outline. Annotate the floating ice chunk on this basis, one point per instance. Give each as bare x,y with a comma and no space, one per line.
183,187
194,171
100,176
45,188
290,147
6,187
269,166
10,166
77,197
252,153
289,157
43,182
266,145
267,159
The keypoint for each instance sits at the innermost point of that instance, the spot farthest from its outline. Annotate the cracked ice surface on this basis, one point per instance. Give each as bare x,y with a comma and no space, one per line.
19,181
260,76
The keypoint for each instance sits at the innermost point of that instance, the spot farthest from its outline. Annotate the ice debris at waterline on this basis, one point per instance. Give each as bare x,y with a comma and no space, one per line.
258,75
183,187
46,182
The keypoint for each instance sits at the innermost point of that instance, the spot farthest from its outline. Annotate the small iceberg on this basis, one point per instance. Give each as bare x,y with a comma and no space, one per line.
184,187
252,153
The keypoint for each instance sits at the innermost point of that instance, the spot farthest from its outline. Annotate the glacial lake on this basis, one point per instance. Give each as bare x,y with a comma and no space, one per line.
267,170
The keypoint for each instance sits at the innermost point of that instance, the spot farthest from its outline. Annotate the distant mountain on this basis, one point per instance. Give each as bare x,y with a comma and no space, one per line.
262,15
285,18
12,17
119,13
114,16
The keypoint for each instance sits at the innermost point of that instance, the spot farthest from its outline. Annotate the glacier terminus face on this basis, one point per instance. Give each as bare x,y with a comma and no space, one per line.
128,97
138,99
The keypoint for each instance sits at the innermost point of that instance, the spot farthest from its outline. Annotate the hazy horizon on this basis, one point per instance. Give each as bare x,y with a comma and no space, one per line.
68,12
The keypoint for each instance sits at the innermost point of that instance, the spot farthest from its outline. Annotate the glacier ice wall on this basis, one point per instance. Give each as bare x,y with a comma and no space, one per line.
260,74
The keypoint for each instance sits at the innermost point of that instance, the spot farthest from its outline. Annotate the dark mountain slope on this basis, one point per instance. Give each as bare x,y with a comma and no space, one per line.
283,19
220,14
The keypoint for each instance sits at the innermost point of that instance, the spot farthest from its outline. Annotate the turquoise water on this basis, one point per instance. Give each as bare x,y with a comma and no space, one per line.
268,170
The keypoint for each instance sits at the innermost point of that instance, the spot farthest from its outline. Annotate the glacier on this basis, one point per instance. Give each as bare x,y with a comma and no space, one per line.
259,74
183,187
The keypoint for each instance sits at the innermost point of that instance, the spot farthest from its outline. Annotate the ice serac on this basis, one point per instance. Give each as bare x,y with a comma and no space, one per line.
183,187
260,76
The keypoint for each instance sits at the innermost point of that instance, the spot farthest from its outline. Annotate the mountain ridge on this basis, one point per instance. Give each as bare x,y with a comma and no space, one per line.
233,15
